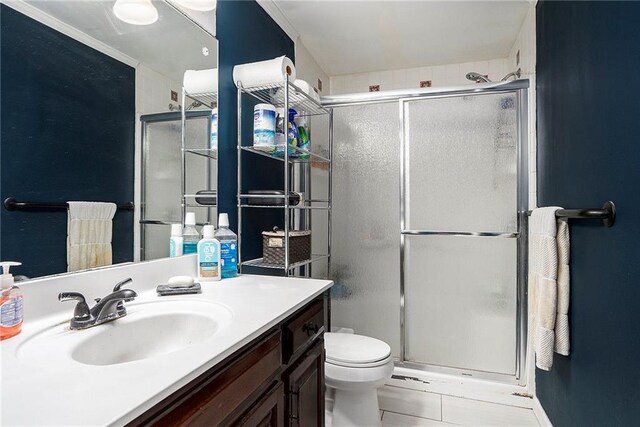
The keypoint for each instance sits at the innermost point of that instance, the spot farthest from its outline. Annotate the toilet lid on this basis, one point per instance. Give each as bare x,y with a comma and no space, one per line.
354,349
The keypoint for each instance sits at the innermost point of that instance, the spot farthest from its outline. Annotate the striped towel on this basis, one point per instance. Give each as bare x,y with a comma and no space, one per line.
548,285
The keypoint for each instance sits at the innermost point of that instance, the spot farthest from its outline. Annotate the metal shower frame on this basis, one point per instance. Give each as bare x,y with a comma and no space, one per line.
520,89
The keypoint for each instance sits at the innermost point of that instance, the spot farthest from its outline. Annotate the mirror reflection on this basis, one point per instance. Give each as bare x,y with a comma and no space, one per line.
93,110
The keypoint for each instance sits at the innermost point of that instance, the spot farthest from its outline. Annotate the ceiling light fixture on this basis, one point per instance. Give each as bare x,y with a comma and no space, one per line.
136,12
200,5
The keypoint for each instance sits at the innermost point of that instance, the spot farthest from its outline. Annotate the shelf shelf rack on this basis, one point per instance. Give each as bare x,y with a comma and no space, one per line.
208,100
285,94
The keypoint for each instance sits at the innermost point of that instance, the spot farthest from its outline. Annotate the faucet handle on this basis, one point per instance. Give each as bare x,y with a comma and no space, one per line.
82,309
120,306
119,285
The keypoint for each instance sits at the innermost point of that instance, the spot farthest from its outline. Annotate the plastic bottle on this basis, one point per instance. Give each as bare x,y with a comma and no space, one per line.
190,235
209,256
281,136
228,247
176,241
213,142
293,138
305,143
11,313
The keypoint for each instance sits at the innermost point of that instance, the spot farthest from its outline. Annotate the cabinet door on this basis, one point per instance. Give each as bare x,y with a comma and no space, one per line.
305,389
268,411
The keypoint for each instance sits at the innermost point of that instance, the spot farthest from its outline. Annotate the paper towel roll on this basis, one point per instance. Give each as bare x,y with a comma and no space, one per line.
201,81
264,72
307,88
278,97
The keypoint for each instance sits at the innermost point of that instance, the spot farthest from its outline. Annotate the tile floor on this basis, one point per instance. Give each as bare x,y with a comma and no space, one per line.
405,407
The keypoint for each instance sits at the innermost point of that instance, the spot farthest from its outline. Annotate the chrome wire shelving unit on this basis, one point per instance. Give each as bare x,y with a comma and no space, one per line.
285,95
206,100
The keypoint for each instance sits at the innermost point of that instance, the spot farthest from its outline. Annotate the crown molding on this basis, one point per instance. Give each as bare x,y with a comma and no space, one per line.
278,16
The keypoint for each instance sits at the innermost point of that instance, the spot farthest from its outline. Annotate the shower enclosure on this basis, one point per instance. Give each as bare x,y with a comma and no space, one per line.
433,262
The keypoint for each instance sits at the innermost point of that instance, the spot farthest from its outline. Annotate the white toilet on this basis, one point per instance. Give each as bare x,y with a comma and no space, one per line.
354,369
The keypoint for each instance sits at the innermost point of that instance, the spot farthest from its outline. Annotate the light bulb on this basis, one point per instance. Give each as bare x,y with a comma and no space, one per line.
136,12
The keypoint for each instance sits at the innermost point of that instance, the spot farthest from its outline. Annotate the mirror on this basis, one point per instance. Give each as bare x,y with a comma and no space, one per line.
93,110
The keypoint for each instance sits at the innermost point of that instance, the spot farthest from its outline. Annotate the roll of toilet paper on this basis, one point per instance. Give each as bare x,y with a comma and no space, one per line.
201,81
264,72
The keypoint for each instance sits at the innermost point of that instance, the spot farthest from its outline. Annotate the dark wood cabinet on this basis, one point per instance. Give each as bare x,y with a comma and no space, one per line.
268,411
305,389
277,380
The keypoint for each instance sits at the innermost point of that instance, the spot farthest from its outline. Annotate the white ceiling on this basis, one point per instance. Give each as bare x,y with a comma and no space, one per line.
362,36
169,46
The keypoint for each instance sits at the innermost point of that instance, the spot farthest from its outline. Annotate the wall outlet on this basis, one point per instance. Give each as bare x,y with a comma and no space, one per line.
425,83
374,88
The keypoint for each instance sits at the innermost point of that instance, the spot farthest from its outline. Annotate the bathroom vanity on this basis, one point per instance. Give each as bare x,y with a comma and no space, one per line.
246,351
276,380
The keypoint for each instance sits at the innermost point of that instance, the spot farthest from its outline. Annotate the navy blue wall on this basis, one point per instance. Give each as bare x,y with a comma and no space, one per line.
588,152
67,127
246,33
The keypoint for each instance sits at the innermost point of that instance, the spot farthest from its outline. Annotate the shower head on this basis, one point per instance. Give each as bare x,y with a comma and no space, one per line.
477,77
515,74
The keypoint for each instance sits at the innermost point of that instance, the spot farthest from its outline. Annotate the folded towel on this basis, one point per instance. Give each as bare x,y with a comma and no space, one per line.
89,232
548,285
562,318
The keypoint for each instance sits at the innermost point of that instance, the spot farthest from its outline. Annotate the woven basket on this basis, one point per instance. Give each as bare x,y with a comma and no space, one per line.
273,246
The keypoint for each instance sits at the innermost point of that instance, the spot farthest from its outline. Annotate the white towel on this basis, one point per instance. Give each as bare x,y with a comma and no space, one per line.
548,285
89,231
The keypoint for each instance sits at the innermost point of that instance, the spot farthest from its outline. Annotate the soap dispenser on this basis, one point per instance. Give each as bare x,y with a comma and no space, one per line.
10,303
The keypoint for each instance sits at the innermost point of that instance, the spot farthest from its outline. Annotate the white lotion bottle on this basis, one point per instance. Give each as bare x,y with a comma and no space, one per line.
209,261
176,241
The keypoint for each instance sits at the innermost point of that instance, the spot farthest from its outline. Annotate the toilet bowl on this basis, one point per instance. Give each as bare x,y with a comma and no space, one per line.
355,367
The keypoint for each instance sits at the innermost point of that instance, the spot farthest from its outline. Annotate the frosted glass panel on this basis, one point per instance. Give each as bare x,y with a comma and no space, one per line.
461,302
162,179
461,168
365,260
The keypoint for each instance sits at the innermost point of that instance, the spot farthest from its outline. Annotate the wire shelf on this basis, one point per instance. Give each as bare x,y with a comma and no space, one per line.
204,152
298,99
312,157
208,99
259,262
325,208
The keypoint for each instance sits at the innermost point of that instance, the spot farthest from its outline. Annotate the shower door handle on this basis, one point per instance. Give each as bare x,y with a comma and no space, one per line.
507,234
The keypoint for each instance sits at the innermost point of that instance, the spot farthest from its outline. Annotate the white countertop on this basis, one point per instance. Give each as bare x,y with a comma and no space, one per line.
49,393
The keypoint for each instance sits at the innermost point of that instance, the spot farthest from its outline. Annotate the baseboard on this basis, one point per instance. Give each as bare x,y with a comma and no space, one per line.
540,413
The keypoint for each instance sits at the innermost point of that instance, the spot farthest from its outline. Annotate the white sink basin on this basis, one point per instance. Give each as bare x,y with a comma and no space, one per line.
150,330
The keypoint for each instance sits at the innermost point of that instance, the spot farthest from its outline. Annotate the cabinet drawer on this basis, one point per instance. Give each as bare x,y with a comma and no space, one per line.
303,329
214,398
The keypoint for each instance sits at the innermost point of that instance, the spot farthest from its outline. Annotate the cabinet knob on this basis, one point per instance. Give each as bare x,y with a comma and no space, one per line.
311,328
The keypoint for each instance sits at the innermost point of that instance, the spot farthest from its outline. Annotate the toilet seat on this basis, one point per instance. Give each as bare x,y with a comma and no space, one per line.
355,367
355,351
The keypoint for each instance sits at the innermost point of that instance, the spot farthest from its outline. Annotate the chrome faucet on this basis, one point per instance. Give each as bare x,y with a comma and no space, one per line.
106,309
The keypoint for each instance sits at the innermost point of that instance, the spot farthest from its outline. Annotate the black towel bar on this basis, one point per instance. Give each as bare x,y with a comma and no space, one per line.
11,204
607,214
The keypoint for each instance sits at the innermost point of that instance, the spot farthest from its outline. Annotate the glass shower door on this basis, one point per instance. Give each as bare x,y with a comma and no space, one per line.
460,231
365,247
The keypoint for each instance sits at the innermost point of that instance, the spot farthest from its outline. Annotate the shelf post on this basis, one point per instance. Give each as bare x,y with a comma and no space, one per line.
330,193
183,166
286,176
239,177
